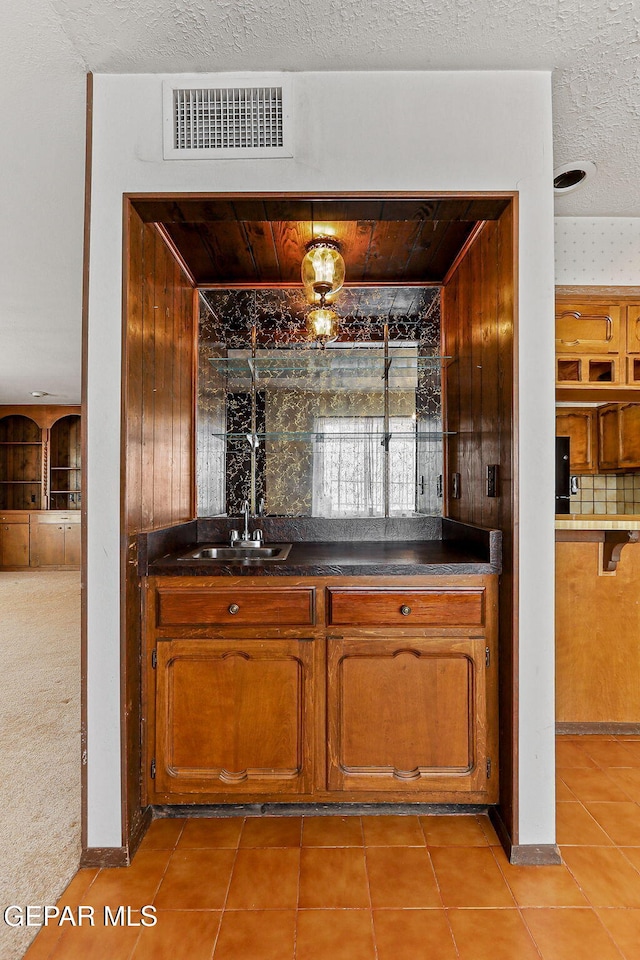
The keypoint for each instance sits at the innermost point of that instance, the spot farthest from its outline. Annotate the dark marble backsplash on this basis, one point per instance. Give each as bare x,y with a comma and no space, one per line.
319,529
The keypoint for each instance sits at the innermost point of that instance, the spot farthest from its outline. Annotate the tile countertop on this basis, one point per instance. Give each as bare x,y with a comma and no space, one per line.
591,521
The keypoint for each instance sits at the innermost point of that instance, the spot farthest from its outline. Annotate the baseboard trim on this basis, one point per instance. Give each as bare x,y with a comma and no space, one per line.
598,729
535,855
118,856
105,857
524,854
141,827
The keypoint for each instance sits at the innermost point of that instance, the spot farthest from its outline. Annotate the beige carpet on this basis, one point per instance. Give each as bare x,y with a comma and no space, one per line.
39,742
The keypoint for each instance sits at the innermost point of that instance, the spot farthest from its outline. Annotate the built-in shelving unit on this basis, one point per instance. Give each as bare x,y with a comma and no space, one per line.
40,462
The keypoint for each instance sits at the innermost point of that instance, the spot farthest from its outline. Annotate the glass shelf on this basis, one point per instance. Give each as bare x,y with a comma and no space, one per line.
323,364
316,435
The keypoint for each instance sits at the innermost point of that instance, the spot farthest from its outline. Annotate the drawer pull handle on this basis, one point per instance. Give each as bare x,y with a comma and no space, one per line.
234,608
405,610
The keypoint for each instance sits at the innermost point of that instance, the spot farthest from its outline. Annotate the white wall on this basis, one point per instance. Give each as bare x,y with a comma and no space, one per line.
355,132
600,251
41,206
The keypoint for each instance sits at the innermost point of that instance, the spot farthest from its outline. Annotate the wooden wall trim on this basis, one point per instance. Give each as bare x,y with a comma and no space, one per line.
480,334
597,729
83,480
593,292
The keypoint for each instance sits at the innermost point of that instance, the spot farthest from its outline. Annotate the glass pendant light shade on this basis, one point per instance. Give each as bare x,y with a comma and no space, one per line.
322,269
323,324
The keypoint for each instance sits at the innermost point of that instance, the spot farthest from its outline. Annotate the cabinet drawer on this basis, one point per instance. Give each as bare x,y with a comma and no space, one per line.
236,606
16,517
359,606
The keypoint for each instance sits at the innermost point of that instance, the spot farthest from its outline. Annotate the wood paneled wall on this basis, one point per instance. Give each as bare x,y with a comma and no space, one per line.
157,453
479,326
158,377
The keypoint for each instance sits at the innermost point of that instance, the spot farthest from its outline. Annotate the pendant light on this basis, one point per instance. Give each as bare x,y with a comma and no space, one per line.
322,269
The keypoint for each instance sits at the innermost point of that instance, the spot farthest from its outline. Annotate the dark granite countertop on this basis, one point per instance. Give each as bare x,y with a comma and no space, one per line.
456,549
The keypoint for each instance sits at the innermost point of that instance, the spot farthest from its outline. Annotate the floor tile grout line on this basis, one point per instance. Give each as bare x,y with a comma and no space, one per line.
295,924
226,896
519,907
368,879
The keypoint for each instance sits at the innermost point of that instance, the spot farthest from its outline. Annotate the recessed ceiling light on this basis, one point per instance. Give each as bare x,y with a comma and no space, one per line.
569,176
39,393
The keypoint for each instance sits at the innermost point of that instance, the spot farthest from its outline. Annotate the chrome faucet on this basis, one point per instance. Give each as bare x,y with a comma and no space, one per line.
245,511
246,538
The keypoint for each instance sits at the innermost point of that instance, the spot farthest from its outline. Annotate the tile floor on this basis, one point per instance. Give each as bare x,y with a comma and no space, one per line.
381,888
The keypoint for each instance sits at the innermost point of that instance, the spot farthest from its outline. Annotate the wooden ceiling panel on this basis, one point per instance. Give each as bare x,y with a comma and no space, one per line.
262,240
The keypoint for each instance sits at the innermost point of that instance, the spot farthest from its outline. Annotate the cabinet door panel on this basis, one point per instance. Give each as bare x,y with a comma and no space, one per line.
231,716
49,544
633,328
587,328
72,544
407,714
629,414
14,543
608,438
580,426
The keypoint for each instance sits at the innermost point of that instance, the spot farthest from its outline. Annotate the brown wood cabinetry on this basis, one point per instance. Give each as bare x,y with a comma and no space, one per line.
14,540
407,713
580,424
275,700
234,715
619,437
597,343
40,473
55,540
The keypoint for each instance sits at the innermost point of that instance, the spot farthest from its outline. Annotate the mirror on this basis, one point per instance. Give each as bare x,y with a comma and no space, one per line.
352,428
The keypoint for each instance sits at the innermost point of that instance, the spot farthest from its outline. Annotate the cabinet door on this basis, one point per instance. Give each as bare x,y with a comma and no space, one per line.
587,328
580,425
608,438
14,544
48,546
233,717
72,544
408,715
629,427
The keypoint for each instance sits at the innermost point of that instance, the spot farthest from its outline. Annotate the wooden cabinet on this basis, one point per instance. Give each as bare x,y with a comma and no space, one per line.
40,452
234,716
40,472
407,713
580,424
14,540
587,327
619,437
55,540
597,343
322,689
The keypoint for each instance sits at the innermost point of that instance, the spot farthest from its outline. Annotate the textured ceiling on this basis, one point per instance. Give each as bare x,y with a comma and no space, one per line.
591,45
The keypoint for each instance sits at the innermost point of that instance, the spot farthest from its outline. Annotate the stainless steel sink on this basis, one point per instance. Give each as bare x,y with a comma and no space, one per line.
268,552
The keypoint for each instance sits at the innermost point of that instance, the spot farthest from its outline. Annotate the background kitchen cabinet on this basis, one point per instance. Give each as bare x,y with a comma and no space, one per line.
619,437
14,540
55,539
587,327
580,424
597,343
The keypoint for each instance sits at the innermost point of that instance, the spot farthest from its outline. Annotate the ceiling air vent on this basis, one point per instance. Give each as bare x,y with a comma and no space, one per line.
247,116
